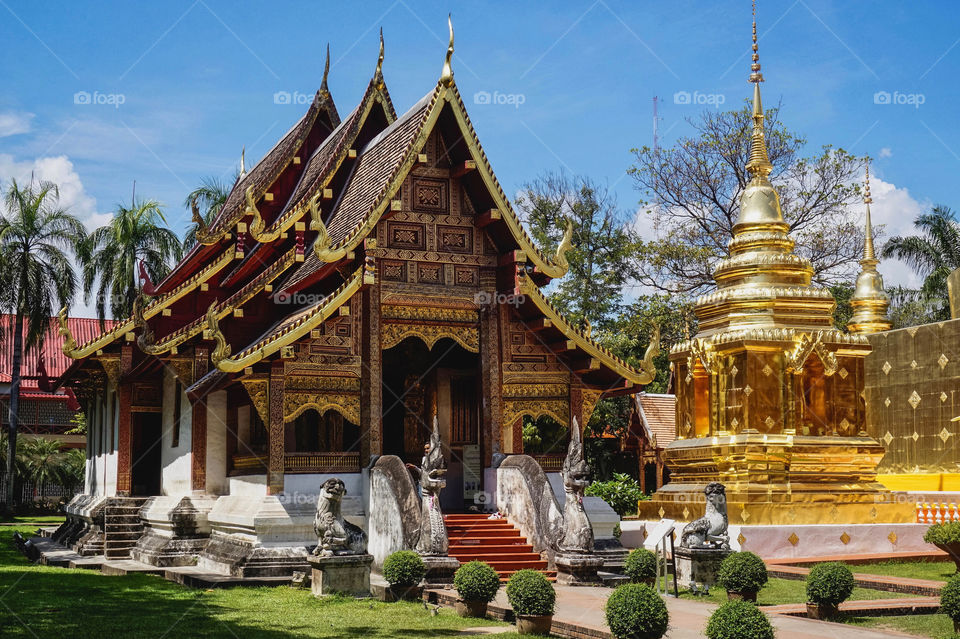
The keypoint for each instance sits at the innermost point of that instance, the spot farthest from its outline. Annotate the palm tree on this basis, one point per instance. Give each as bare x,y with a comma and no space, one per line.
933,254
208,198
42,461
37,277
135,233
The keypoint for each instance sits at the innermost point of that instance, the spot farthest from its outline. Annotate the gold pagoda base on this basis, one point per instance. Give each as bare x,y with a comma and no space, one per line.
780,479
921,482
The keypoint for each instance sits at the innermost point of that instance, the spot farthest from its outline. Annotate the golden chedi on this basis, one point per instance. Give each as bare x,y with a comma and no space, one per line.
869,301
769,393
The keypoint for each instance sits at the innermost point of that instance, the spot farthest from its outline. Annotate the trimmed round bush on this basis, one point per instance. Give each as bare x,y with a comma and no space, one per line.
950,598
404,568
635,611
742,572
943,534
529,593
640,565
739,620
829,583
476,581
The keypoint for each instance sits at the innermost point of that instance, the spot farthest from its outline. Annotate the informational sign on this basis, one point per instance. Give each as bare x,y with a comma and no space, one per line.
657,532
472,472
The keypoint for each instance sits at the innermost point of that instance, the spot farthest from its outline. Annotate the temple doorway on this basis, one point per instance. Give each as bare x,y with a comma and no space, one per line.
420,382
145,432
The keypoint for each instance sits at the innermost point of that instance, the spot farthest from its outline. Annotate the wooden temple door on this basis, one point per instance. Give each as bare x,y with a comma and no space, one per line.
465,474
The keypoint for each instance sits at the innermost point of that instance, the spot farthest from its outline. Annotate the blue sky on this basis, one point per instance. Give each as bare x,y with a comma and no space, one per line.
178,87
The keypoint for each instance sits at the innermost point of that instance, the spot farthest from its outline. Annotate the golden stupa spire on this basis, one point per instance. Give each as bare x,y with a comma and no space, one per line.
759,163
869,301
446,76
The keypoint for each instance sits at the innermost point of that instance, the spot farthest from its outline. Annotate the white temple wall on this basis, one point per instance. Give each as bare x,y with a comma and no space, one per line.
175,461
110,438
217,483
101,470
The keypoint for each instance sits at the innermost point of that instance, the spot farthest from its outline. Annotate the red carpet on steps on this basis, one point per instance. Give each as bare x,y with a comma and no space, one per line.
495,541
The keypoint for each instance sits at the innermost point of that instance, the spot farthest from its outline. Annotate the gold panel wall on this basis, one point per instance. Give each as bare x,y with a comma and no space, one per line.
913,393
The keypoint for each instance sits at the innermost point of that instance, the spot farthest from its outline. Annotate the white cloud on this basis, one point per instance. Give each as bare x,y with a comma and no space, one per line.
14,123
885,152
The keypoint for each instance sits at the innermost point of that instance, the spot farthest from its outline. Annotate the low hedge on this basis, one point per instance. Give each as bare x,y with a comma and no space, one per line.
739,620
640,565
529,593
635,611
404,568
476,581
944,534
950,598
829,583
742,572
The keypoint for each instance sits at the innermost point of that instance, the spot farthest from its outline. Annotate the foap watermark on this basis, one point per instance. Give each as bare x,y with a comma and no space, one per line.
96,98
898,98
497,98
298,298
292,97
699,99
486,298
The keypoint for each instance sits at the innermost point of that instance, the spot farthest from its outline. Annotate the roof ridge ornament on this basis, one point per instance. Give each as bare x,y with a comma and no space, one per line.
243,168
560,258
446,76
379,71
326,72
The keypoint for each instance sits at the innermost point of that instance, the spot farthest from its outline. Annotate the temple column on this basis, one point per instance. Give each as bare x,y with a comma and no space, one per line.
198,426
371,386
276,430
491,405
215,468
576,405
124,439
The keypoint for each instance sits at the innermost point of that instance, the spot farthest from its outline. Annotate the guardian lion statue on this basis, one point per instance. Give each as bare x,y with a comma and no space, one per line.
335,535
710,531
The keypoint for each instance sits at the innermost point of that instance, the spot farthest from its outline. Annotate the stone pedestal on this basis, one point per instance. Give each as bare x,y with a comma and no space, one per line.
698,565
574,569
440,570
340,574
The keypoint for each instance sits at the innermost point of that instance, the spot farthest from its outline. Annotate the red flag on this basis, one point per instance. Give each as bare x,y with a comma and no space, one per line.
72,403
43,380
145,283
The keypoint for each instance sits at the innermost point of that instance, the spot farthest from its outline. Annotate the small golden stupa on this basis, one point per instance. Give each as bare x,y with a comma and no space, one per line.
769,394
869,301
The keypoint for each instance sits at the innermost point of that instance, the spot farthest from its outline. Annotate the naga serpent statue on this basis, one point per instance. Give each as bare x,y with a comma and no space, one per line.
577,533
710,531
433,540
335,535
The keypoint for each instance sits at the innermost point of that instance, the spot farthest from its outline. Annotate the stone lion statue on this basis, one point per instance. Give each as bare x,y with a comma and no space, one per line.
335,535
710,531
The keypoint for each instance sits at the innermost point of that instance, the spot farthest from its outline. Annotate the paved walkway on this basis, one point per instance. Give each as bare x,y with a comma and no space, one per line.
579,614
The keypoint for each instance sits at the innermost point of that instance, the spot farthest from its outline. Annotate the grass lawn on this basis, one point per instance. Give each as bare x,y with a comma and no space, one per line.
935,626
46,520
933,570
39,601
788,591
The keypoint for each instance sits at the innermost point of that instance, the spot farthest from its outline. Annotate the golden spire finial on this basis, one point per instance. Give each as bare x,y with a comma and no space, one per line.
243,167
869,301
868,251
446,76
326,70
755,75
759,163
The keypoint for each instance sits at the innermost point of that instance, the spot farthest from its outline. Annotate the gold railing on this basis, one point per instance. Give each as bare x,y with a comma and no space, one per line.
249,464
550,463
322,463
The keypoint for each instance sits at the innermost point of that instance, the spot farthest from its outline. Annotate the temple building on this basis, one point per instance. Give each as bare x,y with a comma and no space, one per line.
368,274
770,396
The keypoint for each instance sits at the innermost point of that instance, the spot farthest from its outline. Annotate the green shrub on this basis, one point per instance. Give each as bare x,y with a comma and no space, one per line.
640,565
829,583
404,568
739,620
476,581
742,572
529,593
635,611
945,533
622,493
950,598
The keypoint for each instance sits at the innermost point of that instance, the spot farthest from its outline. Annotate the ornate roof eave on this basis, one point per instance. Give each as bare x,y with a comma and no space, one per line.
71,349
533,294
222,310
286,335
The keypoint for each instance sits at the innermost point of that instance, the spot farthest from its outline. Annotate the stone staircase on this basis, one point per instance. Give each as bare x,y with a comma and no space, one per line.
473,537
122,526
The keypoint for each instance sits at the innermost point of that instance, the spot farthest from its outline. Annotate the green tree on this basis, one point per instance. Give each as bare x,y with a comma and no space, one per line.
205,202
603,243
36,236
42,461
692,191
113,252
842,292
933,253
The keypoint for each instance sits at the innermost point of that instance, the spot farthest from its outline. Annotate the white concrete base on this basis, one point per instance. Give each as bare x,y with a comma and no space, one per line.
786,542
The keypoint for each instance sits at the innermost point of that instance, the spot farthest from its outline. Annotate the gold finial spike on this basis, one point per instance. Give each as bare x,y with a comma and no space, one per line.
380,59
755,75
243,167
326,70
446,76
868,250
